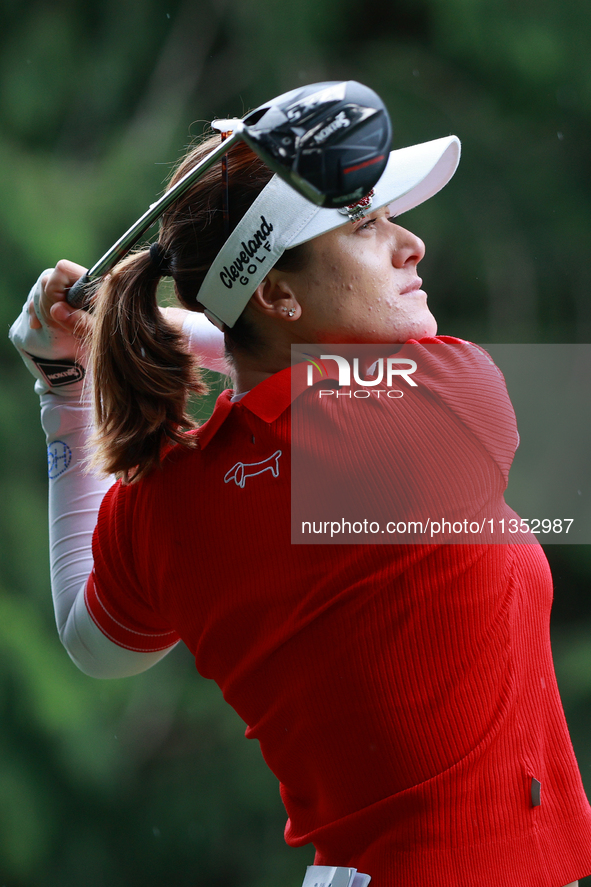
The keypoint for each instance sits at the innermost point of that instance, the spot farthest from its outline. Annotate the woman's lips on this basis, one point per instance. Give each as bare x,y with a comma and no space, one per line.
414,286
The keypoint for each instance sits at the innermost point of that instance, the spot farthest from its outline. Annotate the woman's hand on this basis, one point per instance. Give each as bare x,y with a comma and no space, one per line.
52,308
51,336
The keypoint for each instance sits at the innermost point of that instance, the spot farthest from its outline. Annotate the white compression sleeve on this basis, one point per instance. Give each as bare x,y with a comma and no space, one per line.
207,341
74,501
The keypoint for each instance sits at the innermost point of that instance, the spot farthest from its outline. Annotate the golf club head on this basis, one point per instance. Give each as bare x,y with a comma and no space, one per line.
330,141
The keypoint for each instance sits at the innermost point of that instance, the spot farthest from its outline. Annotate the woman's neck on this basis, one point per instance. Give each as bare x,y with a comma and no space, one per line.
249,369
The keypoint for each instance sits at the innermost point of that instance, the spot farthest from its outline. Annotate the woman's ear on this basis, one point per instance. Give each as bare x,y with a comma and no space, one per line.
275,298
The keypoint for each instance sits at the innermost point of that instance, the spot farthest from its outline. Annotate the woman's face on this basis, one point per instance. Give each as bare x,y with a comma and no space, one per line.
361,285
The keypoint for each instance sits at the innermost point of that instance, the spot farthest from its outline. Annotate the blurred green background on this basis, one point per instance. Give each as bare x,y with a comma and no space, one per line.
149,781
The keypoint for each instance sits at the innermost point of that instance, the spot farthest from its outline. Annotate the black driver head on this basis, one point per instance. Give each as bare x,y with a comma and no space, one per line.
330,141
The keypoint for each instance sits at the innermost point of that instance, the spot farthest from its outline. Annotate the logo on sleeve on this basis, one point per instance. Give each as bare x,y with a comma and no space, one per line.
59,457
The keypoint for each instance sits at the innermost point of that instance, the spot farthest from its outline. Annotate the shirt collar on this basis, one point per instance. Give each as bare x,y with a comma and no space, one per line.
267,400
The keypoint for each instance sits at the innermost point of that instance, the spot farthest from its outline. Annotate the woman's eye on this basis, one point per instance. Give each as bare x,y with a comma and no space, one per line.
367,224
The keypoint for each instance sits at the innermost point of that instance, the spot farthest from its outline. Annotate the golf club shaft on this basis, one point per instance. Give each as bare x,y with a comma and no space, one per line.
76,294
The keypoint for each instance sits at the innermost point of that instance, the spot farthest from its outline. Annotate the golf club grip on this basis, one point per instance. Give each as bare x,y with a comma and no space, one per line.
76,295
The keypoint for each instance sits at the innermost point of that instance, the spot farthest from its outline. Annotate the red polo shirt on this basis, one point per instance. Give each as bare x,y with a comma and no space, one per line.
404,695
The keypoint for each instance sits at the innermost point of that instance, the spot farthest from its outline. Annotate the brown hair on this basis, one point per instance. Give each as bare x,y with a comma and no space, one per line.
143,373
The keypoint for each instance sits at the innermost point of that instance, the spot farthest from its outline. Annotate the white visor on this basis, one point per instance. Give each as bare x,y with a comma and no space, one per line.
280,218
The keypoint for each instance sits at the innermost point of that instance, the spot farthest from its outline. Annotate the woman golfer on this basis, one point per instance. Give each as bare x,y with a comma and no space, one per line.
403,694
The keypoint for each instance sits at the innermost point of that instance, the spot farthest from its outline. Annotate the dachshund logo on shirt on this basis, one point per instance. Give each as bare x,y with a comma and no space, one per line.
239,472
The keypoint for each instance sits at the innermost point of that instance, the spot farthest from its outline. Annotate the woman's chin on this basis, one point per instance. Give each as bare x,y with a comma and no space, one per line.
432,329
428,327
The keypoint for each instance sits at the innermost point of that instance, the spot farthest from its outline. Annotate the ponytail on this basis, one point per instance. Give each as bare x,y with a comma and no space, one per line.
143,373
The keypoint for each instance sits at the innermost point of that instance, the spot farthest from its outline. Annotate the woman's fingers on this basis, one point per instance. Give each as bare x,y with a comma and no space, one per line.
55,286
53,310
62,277
73,320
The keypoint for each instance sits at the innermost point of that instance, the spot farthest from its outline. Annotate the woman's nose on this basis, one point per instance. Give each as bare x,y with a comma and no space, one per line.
408,248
